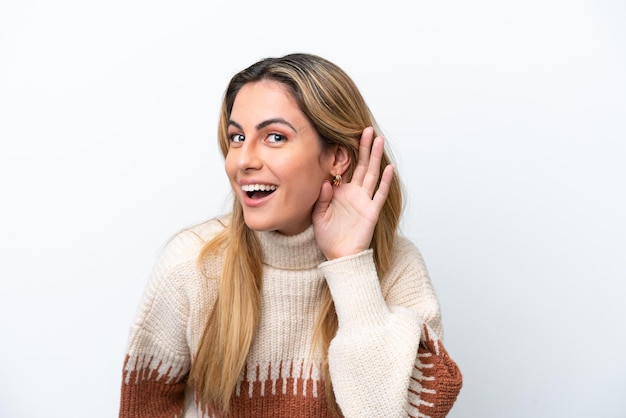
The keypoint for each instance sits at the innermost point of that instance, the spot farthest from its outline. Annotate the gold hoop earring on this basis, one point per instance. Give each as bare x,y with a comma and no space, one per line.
337,180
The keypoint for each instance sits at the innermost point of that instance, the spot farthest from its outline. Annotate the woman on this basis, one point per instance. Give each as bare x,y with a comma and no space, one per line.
304,301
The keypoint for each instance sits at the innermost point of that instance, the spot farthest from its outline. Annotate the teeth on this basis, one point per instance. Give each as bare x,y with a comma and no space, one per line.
258,187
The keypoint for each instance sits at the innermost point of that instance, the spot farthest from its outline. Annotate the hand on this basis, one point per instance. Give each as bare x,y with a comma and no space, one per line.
344,217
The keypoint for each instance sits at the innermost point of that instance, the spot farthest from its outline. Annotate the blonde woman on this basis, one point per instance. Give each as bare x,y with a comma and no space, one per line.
304,301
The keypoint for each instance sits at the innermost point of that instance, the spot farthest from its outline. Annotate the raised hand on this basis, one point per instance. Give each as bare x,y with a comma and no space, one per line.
344,217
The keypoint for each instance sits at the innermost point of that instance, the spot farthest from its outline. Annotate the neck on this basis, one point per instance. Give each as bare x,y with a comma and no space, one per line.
290,252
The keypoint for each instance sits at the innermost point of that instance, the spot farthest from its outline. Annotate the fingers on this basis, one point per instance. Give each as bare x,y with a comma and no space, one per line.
367,170
323,201
364,156
383,189
373,168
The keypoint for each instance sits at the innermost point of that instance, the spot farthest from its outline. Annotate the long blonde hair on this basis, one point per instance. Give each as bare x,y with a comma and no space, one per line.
334,106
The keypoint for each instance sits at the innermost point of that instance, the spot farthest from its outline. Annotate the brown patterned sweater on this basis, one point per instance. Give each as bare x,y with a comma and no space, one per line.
387,359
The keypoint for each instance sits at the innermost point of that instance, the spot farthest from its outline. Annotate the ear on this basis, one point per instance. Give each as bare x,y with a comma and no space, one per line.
341,161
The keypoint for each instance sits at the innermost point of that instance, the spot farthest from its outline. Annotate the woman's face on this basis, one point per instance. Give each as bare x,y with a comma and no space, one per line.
275,161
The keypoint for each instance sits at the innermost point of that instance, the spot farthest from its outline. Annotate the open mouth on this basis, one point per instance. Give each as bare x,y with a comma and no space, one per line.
258,191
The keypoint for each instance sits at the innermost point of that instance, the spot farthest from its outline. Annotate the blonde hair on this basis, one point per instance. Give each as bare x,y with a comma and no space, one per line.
334,106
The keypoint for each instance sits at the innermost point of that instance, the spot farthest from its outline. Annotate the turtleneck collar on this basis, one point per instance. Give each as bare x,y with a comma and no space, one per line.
290,252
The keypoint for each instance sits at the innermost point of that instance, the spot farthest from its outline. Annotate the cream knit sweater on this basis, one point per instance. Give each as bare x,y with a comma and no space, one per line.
378,366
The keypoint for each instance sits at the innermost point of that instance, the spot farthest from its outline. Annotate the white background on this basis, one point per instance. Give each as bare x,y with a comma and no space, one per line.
508,120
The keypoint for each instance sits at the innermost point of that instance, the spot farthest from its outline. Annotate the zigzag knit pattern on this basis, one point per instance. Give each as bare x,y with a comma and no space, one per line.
291,389
436,380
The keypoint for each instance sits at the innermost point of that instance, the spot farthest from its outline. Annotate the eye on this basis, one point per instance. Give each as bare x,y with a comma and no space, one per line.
237,138
276,138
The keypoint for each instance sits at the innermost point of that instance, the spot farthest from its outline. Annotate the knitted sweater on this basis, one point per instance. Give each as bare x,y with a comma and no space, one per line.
386,360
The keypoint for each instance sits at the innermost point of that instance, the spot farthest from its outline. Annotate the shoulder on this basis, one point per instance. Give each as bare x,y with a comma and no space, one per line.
203,232
407,257
408,283
185,246
196,236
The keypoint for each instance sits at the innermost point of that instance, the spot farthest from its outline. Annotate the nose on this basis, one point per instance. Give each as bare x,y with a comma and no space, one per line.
249,158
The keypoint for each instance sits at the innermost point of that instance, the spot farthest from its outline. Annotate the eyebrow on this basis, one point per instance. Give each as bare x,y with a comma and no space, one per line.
264,124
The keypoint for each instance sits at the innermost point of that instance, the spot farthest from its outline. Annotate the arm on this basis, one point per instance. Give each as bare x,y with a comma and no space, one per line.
157,358
387,359
384,359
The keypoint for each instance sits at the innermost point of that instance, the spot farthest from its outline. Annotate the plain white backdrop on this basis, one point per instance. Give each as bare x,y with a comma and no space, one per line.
508,121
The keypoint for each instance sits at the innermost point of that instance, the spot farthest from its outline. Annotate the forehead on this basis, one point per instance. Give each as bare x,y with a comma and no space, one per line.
264,98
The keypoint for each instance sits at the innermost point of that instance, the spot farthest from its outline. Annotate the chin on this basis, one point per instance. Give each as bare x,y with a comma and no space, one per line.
259,225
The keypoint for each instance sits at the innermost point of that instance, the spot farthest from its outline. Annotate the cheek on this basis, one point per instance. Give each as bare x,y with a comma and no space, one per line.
309,183
229,167
301,200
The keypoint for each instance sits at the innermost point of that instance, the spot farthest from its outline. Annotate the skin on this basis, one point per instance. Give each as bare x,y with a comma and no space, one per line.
273,144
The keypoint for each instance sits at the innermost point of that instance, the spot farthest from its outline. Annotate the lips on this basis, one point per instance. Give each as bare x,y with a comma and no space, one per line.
257,190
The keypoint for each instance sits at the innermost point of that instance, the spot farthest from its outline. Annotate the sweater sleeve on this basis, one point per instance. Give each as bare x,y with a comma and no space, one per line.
158,357
387,358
